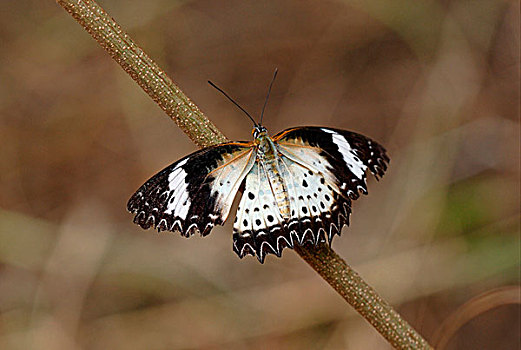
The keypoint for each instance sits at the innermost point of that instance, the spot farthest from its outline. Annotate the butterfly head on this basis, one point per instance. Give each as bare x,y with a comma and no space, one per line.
259,132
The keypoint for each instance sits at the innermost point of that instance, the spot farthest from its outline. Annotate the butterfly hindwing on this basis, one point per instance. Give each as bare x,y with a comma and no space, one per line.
318,210
194,193
259,227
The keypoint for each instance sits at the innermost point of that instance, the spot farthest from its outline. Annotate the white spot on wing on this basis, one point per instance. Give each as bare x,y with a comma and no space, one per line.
177,184
353,163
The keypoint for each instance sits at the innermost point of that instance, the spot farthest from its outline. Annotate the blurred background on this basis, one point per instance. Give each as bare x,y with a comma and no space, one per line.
436,82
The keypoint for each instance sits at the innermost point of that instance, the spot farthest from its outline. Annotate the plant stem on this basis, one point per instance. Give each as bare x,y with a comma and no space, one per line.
203,133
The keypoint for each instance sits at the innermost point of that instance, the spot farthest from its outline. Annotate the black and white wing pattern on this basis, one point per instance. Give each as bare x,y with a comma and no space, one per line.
301,191
346,154
324,170
196,192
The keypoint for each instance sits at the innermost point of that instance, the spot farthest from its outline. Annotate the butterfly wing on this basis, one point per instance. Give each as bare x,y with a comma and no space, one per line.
316,210
345,155
194,193
324,170
258,227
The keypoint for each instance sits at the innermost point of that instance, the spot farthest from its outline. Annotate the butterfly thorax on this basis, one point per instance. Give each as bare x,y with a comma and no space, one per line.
268,159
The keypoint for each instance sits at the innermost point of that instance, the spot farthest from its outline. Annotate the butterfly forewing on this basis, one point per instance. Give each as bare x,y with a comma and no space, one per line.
347,155
194,193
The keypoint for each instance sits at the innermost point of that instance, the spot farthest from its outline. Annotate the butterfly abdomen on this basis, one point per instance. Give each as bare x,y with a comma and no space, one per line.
278,186
268,158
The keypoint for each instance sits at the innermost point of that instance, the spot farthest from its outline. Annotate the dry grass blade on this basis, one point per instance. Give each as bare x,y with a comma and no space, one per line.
472,308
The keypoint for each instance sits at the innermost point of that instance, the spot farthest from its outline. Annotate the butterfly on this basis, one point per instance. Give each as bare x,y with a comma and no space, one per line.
297,187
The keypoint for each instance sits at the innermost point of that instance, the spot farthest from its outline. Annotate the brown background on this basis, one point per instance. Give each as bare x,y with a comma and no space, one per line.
436,82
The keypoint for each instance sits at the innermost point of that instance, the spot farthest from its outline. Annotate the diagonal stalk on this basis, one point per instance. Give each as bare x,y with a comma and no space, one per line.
203,133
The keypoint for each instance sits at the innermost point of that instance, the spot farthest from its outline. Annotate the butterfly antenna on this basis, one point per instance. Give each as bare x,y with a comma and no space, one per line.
231,99
268,96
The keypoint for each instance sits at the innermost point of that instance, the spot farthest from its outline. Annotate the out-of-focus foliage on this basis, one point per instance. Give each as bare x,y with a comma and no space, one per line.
437,82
